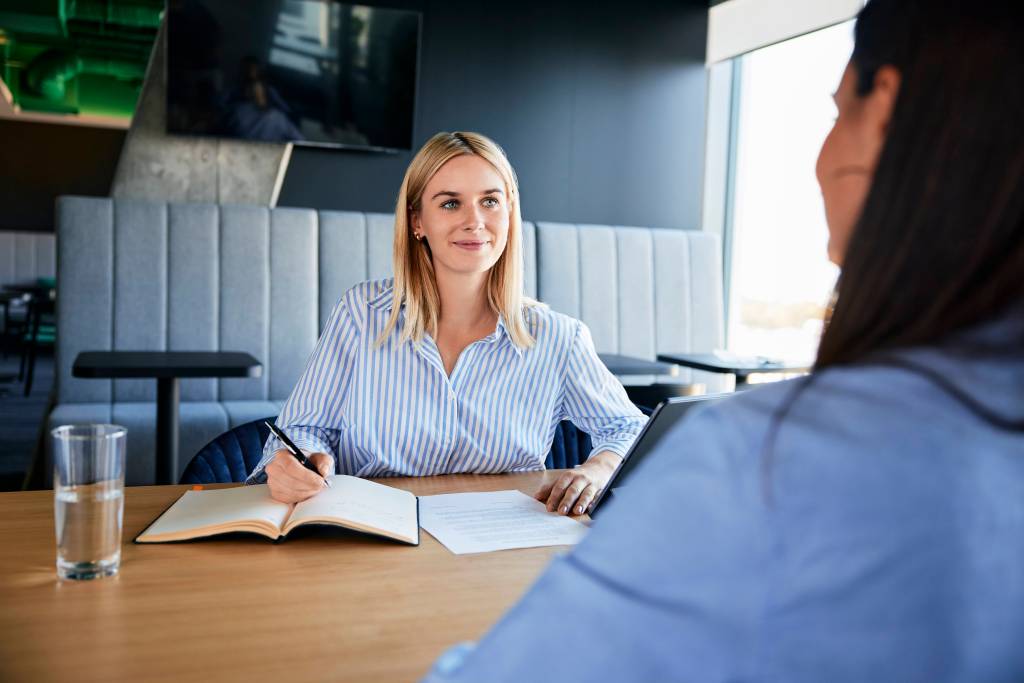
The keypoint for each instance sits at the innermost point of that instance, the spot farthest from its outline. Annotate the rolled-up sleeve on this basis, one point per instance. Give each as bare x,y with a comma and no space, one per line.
594,400
312,417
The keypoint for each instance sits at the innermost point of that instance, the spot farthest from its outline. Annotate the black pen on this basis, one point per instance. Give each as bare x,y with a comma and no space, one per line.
294,450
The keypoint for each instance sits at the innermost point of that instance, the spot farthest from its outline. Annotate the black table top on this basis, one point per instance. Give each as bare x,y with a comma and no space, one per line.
165,364
627,365
737,365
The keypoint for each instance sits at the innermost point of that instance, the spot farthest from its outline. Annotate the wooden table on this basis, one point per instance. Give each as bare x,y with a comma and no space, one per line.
167,367
327,605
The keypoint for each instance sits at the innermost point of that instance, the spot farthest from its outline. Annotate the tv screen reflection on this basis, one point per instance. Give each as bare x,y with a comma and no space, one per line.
301,71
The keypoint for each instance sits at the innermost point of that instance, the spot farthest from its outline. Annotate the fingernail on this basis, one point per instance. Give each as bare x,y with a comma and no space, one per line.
579,509
564,509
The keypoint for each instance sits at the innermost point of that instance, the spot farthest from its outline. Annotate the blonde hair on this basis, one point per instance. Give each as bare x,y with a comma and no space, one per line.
415,284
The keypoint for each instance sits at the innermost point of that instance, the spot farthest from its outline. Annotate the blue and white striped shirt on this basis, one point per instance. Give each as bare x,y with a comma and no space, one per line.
392,410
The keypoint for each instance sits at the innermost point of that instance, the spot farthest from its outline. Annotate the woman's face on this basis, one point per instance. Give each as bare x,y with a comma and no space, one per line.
846,163
464,215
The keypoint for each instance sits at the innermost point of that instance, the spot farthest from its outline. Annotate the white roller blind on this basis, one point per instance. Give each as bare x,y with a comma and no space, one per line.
739,26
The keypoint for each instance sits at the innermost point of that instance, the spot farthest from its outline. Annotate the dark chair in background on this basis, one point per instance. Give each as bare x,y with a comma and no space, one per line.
41,332
234,454
15,315
14,307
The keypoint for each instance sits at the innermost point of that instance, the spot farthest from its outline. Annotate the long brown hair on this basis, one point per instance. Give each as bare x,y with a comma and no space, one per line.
939,245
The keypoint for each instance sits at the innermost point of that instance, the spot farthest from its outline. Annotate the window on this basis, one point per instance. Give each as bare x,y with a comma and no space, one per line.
781,278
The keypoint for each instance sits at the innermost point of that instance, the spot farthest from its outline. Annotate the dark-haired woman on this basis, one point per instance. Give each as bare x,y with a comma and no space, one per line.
864,523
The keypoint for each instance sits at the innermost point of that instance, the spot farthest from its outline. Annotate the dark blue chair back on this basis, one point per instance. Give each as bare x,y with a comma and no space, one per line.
230,457
234,454
569,448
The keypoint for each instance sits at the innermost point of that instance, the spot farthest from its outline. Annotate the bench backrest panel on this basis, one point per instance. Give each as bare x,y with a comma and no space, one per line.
155,276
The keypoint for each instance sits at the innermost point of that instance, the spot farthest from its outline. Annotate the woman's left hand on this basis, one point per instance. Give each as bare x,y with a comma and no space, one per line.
573,491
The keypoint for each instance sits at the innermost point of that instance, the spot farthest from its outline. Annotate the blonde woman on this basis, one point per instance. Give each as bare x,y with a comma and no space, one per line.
449,367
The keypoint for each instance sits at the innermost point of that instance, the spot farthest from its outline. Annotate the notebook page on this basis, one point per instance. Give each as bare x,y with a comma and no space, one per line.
199,509
363,504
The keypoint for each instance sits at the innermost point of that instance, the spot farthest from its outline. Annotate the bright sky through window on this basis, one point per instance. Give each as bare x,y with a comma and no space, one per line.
781,276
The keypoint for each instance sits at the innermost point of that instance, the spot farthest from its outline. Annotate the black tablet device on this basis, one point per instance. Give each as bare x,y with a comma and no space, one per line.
665,416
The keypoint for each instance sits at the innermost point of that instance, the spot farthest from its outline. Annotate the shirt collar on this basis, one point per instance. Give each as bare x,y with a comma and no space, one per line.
503,330
384,299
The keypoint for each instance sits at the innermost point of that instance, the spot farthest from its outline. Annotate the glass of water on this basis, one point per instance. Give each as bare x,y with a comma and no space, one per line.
88,485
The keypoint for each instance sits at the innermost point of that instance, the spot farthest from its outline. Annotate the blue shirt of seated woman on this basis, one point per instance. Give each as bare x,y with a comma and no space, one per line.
448,367
393,410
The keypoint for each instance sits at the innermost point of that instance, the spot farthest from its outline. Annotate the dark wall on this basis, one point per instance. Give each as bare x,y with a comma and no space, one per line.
39,161
600,107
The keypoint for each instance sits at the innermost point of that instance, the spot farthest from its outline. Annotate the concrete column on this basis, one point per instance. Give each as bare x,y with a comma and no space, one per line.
157,166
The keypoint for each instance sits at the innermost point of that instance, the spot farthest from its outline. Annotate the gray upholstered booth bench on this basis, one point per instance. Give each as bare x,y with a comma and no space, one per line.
154,276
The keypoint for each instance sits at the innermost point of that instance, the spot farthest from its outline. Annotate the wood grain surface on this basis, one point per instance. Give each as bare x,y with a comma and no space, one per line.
325,605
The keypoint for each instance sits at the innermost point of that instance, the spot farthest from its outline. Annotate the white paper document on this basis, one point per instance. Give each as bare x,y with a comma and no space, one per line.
495,520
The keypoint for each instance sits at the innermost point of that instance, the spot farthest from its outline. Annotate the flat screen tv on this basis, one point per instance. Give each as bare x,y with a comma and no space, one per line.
312,72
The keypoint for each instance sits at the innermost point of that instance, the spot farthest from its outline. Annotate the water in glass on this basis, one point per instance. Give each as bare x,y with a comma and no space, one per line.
88,521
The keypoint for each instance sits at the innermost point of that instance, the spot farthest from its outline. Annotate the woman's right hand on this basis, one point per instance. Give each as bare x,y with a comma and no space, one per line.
290,482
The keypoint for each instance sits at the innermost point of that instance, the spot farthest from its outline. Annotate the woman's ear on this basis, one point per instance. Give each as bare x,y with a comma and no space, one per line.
414,221
879,103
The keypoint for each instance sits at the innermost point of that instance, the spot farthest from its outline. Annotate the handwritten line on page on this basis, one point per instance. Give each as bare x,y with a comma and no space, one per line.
496,520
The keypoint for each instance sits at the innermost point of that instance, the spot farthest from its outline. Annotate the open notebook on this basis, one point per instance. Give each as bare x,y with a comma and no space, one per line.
351,502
